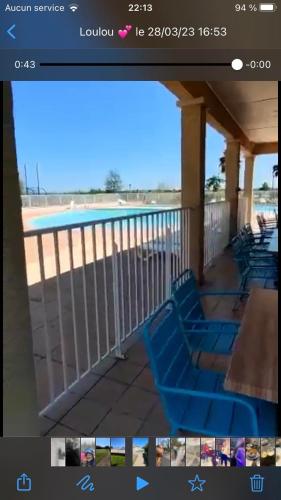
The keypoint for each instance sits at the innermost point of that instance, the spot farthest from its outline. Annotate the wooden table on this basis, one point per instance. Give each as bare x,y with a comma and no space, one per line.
253,368
273,244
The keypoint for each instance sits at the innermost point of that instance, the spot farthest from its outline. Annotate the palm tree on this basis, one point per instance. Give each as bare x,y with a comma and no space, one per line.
214,183
222,164
274,174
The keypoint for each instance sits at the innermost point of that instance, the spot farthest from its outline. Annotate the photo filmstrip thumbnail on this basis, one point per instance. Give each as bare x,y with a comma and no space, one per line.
103,453
208,451
178,452
118,452
278,451
237,452
193,450
140,450
163,452
88,452
268,452
253,452
57,452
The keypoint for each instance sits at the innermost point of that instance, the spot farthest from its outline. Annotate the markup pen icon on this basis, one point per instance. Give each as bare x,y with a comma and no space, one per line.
24,483
86,483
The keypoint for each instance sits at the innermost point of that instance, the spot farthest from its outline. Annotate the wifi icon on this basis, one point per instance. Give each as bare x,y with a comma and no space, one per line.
73,7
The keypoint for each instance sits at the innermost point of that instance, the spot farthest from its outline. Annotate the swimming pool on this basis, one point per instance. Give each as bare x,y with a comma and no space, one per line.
69,217
260,207
79,216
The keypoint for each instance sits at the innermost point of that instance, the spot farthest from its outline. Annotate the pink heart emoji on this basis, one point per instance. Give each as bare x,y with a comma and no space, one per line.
122,33
129,27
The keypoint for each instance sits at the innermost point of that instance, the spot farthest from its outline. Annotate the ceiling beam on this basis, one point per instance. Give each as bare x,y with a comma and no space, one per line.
218,116
265,148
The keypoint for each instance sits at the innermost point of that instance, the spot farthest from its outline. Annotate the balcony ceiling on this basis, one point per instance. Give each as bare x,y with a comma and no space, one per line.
246,111
253,105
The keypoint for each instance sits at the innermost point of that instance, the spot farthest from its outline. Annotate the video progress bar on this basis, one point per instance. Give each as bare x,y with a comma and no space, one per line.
144,64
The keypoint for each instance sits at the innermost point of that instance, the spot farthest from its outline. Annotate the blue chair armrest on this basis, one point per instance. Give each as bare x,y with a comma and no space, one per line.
206,332
268,268
226,293
255,255
212,321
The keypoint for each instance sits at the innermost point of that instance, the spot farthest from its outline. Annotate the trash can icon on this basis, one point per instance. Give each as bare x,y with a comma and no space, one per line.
257,483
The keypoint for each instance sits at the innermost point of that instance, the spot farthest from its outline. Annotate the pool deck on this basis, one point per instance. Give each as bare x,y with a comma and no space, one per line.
31,248
118,397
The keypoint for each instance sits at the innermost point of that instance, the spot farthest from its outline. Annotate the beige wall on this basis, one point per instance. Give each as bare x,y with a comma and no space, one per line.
20,400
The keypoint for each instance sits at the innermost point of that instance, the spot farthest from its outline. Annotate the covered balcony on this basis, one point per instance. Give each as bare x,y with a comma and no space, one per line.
76,297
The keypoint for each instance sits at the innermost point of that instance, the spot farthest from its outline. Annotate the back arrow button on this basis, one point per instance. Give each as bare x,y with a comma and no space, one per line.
9,31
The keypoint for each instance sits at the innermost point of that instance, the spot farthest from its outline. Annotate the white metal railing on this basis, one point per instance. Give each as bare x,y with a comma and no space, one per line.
216,230
93,284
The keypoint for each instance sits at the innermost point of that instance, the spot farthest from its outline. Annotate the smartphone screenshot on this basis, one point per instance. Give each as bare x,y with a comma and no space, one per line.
140,249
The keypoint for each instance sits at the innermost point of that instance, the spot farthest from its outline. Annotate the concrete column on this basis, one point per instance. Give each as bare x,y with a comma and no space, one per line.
193,135
248,184
232,157
20,414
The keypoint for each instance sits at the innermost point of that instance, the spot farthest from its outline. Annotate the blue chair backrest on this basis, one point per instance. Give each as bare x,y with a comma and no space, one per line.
242,262
186,296
166,346
248,228
236,244
241,243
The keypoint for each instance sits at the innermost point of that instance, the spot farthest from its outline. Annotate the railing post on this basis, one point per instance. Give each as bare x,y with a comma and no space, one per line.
168,261
118,351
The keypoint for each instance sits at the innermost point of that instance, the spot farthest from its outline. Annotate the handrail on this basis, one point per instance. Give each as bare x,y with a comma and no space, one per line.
77,225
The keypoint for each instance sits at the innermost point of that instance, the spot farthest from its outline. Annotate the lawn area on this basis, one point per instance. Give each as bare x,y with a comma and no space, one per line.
102,455
118,460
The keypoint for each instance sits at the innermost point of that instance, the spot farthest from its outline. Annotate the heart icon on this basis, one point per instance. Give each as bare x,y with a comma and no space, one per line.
122,33
129,27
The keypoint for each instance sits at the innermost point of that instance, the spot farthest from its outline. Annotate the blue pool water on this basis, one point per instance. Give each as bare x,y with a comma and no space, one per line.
77,216
259,207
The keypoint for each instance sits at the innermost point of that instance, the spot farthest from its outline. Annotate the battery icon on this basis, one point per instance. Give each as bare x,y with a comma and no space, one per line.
267,7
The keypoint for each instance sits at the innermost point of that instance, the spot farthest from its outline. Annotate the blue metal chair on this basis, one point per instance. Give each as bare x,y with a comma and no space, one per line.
202,334
255,257
266,227
257,241
250,272
194,400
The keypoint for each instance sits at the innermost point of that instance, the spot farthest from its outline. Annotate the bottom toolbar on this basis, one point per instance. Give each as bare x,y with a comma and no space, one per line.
121,467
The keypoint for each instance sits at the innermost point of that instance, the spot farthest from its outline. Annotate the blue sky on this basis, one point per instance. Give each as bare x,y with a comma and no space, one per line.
103,441
140,442
117,442
78,131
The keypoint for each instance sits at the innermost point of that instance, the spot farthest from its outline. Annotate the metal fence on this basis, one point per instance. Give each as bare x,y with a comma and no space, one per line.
42,200
216,230
91,285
